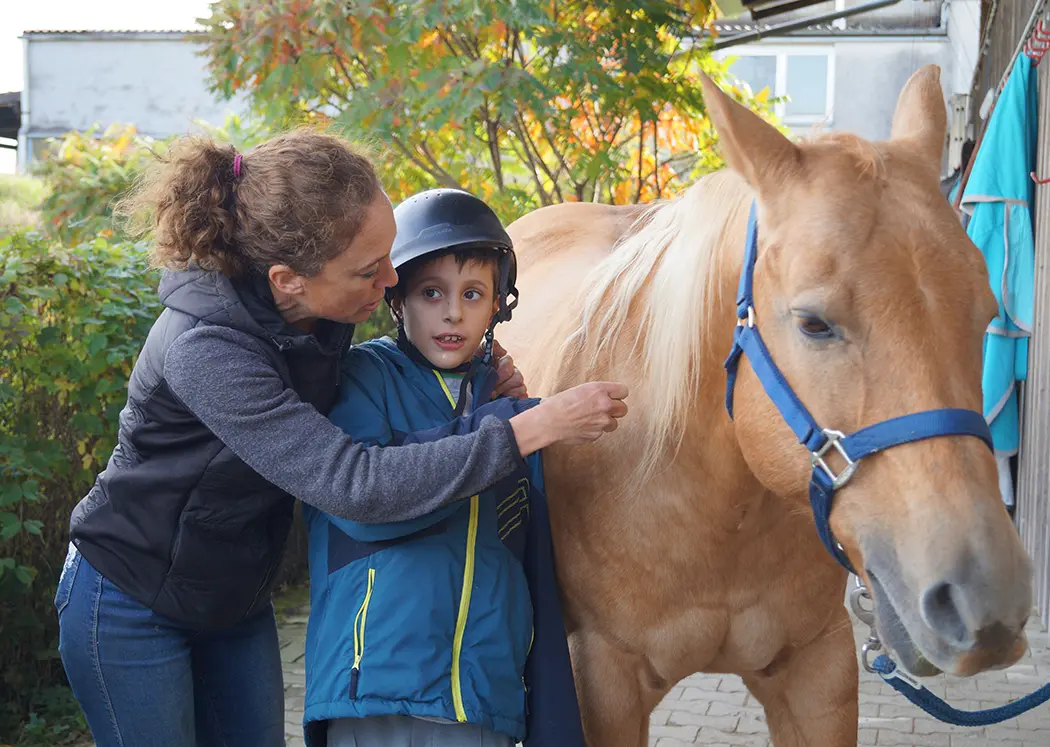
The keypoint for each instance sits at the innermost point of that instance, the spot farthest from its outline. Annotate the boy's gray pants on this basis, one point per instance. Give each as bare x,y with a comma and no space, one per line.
406,731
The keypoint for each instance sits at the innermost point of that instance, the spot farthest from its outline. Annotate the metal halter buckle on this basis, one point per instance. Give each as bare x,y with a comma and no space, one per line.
749,321
873,646
816,458
865,614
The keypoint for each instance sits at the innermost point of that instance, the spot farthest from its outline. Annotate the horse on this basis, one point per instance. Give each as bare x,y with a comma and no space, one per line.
683,540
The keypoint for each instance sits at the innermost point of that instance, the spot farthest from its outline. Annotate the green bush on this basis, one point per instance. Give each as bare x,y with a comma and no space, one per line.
86,173
20,201
71,324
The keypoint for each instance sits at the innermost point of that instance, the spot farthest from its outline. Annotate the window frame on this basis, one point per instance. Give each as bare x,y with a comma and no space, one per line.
781,52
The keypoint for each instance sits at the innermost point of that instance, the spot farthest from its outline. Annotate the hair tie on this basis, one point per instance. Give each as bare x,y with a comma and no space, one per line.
237,166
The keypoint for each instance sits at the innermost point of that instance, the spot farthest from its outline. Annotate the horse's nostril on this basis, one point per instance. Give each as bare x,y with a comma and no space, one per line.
941,612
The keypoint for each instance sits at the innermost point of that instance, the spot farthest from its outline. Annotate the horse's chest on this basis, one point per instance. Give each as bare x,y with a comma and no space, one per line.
736,605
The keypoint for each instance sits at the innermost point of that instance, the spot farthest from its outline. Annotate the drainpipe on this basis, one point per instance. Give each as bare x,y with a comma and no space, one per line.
22,163
784,28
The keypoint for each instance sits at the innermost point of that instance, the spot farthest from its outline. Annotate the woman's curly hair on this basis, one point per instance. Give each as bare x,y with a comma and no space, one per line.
299,200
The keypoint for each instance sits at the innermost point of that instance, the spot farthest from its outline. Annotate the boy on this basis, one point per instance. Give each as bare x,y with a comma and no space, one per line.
422,631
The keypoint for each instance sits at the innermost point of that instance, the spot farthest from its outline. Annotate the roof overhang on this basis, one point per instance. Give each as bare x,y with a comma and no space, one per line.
763,9
10,115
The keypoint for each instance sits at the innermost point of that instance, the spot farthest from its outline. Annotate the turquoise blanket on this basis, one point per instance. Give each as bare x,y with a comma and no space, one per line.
999,198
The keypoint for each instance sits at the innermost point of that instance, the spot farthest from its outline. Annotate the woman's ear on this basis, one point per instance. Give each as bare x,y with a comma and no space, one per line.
286,280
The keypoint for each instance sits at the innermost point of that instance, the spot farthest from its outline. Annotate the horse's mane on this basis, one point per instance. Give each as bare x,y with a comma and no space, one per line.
666,269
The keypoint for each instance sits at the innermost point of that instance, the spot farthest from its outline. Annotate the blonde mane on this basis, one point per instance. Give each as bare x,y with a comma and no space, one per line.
669,261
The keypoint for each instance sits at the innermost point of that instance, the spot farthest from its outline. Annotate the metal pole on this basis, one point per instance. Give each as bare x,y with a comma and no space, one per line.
783,28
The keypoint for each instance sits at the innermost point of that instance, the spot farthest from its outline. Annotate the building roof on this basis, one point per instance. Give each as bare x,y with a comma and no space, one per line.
732,28
114,33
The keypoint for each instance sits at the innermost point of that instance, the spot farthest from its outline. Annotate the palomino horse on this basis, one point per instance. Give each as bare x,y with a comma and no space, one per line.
684,540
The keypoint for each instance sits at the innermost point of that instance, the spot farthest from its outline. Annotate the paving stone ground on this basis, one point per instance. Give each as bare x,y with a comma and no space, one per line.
717,710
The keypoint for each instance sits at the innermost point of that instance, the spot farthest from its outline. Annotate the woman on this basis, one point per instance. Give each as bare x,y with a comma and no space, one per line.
167,633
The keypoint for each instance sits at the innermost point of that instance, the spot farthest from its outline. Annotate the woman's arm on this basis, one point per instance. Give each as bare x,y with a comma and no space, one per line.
226,380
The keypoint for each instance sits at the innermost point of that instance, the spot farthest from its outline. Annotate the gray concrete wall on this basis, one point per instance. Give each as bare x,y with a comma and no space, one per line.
870,75
155,82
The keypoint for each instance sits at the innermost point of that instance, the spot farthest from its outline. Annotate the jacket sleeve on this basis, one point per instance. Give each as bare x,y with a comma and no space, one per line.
225,379
553,716
358,414
503,408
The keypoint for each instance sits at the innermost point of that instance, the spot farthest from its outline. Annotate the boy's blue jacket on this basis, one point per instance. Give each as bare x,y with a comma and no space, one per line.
432,617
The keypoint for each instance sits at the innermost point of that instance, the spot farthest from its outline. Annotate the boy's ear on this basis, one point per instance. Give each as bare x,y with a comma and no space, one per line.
395,308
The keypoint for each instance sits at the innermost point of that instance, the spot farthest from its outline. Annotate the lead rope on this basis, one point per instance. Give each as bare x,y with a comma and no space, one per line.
915,691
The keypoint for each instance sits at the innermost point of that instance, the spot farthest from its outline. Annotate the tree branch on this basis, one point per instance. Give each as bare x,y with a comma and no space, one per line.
439,172
448,44
526,156
492,125
558,154
656,155
527,141
641,152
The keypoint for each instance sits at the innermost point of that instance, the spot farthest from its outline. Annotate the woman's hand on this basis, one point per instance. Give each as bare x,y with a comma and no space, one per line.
509,381
576,416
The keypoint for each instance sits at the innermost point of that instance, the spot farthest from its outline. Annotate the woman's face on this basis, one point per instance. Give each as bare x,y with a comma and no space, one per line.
350,286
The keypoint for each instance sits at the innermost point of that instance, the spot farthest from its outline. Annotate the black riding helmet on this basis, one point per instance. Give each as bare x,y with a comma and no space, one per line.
439,220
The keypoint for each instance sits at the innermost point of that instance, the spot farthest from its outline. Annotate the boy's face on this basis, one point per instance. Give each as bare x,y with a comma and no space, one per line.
447,309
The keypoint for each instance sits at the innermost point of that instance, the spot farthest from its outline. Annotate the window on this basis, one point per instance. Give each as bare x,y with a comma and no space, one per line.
803,76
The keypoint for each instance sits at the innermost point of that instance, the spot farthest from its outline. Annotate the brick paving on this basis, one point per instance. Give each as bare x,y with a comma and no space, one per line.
717,710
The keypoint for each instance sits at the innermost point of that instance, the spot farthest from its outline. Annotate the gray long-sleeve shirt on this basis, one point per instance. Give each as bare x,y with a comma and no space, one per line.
298,449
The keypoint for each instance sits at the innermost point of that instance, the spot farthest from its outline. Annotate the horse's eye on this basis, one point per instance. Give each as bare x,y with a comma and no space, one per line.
815,327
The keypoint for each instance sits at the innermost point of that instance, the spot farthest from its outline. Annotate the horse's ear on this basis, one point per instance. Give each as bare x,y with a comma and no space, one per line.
752,147
921,119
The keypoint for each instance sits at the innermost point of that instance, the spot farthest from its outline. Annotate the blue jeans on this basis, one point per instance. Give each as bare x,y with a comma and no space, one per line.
145,681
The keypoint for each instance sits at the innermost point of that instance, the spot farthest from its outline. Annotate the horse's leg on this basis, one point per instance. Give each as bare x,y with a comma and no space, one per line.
609,686
810,694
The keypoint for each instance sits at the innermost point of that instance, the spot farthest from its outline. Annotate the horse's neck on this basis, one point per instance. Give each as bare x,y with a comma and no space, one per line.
707,465
710,436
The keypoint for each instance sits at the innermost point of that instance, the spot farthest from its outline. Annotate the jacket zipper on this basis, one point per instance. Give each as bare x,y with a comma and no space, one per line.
468,585
464,608
524,684
359,634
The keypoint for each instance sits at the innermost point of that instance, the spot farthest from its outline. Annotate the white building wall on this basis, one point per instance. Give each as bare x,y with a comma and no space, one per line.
155,81
870,74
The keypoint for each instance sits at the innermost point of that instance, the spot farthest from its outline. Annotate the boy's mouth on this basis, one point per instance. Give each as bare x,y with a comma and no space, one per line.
449,342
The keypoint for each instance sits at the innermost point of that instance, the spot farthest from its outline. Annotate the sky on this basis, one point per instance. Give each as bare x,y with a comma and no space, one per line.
19,16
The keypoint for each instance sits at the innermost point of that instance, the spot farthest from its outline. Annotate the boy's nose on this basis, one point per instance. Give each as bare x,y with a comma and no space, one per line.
452,311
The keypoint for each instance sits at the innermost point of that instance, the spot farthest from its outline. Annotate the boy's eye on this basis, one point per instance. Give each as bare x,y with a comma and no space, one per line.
430,293
472,295
370,275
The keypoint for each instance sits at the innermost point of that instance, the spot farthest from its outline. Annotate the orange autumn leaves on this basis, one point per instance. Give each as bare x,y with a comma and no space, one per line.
526,103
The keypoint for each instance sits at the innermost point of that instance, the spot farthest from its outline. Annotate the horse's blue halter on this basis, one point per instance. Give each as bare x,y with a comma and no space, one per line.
818,441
